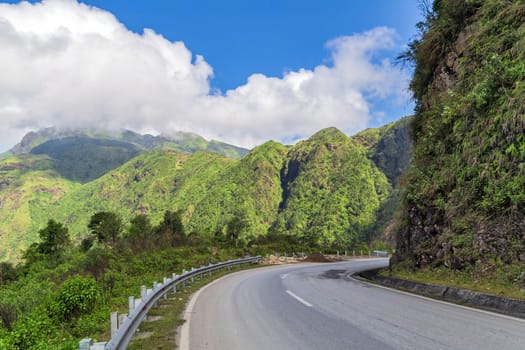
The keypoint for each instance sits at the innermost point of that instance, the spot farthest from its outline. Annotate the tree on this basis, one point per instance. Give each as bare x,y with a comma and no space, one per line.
8,273
54,243
105,226
140,230
172,228
55,238
235,227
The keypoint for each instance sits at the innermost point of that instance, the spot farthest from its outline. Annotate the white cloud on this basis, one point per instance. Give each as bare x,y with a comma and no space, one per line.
67,64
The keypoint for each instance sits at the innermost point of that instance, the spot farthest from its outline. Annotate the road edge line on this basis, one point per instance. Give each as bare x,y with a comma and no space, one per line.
438,301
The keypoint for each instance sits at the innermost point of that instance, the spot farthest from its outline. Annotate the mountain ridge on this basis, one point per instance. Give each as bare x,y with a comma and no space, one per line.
85,154
337,182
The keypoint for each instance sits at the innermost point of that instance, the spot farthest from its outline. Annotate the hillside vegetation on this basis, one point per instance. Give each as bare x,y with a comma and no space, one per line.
326,191
84,155
464,200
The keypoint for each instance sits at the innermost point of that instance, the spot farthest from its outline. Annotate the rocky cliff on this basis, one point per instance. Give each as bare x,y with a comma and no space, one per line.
464,195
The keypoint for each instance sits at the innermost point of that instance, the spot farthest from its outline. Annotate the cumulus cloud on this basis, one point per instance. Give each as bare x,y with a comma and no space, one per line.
70,65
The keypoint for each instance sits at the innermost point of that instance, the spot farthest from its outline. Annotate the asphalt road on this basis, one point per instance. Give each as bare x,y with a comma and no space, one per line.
318,306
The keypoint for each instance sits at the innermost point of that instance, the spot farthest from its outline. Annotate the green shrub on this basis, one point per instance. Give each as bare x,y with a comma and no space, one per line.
77,296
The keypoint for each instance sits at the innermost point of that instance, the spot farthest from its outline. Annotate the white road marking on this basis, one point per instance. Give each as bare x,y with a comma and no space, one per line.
470,308
299,299
283,276
184,337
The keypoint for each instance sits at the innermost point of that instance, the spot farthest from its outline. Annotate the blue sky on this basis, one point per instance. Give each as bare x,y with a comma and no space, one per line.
240,37
240,53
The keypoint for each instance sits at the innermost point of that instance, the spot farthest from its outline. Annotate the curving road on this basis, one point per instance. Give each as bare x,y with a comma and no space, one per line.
318,306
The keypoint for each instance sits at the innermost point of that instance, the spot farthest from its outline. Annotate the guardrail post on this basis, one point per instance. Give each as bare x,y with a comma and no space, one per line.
113,328
192,277
131,304
143,292
155,286
173,278
165,280
85,344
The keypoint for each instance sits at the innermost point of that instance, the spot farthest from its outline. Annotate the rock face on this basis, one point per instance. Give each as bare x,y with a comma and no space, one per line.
464,195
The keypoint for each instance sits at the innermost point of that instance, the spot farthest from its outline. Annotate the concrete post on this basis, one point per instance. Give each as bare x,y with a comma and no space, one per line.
85,344
143,292
345,252
174,277
155,286
99,346
131,304
165,280
113,323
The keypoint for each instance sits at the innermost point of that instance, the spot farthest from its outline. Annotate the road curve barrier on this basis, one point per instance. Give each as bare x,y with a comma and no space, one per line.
123,327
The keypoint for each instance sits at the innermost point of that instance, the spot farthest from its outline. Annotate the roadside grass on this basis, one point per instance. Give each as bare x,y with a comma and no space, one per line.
159,330
496,282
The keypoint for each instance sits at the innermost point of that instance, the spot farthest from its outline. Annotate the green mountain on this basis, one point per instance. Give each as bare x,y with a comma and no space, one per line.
324,191
331,190
84,155
464,200
29,186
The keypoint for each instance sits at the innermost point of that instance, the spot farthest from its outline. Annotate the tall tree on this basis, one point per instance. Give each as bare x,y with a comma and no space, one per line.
55,238
235,227
105,226
54,243
140,231
171,228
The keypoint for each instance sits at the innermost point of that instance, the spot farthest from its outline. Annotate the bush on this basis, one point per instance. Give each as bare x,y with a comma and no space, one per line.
33,331
77,296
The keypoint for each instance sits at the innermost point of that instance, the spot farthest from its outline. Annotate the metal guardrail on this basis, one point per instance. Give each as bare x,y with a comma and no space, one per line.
127,329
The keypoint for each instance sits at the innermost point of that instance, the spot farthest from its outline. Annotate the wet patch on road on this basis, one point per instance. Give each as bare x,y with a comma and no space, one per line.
333,274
